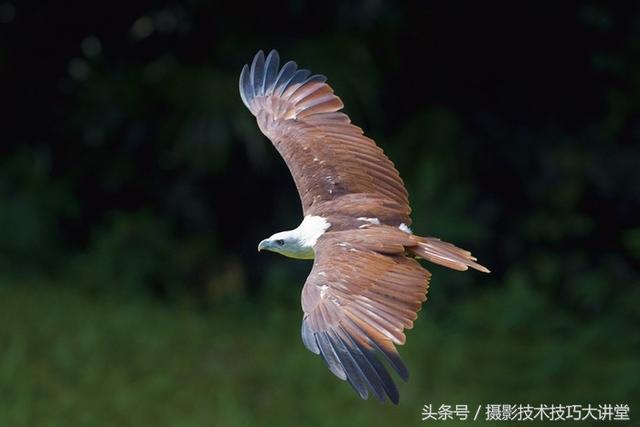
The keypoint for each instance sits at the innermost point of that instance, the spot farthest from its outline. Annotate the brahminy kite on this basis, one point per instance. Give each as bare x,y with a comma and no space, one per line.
365,286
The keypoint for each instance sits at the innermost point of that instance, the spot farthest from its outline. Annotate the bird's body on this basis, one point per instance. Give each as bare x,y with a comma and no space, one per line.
365,286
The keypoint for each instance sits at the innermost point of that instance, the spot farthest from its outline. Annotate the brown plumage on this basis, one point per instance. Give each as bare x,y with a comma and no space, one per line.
327,155
366,286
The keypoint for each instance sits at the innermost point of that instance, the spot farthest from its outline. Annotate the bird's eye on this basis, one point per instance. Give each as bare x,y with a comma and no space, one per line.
280,242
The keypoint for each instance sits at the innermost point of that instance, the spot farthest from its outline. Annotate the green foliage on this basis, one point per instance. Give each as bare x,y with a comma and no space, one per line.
69,359
32,206
139,253
130,251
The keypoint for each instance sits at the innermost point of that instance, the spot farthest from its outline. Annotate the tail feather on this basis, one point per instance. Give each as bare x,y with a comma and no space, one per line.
446,254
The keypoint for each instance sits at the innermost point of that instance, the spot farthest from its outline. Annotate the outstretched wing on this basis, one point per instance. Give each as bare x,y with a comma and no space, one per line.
327,155
361,294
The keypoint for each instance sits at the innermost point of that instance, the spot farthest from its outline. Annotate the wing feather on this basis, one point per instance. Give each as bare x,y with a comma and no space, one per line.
360,296
363,364
246,90
287,71
327,156
257,73
375,371
271,67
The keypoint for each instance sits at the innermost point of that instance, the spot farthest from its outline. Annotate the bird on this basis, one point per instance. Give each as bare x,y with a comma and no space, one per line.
366,285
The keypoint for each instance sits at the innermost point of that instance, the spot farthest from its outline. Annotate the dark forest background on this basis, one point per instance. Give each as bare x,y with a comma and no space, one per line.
135,186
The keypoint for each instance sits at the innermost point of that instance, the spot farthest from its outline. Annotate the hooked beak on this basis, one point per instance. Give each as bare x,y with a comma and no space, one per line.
263,245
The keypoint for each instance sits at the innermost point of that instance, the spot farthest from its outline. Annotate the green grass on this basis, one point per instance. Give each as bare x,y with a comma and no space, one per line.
69,359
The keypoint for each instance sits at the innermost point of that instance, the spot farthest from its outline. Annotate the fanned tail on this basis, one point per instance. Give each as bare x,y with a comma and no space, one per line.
446,254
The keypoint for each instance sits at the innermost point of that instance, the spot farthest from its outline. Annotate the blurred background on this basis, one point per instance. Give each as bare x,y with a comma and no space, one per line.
135,186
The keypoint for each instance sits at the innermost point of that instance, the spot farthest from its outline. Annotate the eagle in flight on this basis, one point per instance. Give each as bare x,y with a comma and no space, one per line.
365,286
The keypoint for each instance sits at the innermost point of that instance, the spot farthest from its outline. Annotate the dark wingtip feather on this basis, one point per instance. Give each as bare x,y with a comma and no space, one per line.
271,68
298,77
377,374
352,369
329,355
285,74
392,356
264,77
257,72
308,339
321,78
369,371
246,91
398,364
357,364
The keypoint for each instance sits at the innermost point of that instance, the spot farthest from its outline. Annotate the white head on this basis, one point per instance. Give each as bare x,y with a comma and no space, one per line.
297,243
287,244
